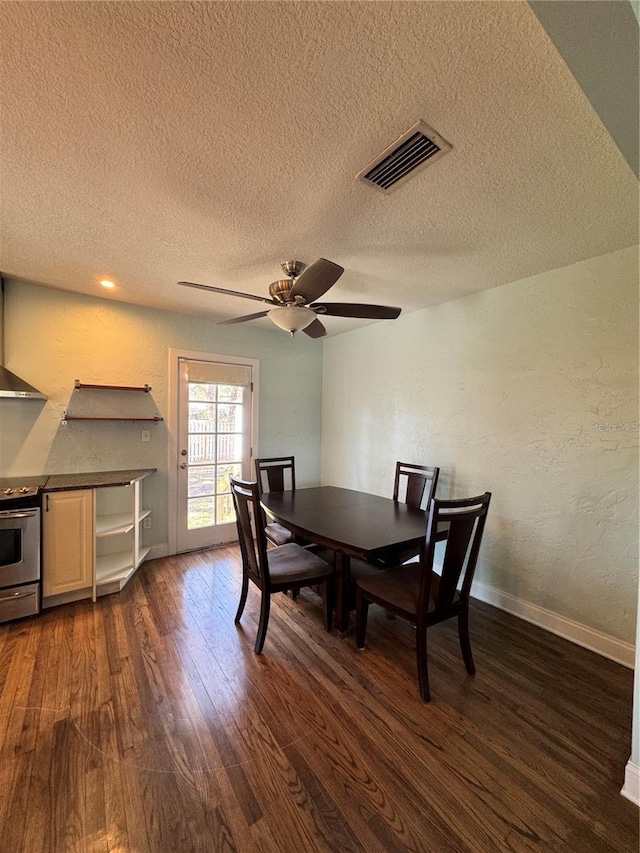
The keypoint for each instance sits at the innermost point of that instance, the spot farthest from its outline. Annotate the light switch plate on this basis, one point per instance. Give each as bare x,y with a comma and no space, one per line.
146,435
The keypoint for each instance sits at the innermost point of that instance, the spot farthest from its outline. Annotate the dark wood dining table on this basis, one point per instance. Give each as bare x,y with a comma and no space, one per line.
349,523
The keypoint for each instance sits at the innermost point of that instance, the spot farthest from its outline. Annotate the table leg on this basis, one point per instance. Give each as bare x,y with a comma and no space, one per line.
343,575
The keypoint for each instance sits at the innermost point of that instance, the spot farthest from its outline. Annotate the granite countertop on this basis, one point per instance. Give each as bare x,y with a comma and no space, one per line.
96,480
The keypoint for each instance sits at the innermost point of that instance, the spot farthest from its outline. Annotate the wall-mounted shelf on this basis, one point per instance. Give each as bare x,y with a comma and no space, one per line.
79,385
66,417
90,386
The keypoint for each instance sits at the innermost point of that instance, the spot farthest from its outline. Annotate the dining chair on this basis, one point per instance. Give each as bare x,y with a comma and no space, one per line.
288,567
418,593
276,474
414,485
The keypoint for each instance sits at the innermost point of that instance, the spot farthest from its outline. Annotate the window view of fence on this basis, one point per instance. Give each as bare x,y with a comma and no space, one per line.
215,452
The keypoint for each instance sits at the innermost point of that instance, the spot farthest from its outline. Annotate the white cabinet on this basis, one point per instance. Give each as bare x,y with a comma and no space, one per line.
92,541
67,542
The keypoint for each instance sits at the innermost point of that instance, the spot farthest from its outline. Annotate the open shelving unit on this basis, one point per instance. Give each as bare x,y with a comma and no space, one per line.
118,530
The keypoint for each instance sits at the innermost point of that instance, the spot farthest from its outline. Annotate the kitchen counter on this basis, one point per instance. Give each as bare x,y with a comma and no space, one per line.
95,480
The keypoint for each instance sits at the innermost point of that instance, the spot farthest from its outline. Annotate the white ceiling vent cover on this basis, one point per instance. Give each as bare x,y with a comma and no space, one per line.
416,148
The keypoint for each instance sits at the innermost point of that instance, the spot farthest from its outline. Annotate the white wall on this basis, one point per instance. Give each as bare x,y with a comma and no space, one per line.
53,337
505,390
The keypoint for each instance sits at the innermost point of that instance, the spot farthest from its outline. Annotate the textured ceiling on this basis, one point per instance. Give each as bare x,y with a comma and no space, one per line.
154,142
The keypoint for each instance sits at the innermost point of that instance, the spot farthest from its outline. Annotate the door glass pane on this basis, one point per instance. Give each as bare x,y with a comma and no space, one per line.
201,481
222,482
229,448
200,512
226,514
229,418
202,391
202,448
230,393
202,417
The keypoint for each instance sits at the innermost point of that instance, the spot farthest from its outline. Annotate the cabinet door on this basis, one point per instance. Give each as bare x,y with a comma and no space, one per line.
67,541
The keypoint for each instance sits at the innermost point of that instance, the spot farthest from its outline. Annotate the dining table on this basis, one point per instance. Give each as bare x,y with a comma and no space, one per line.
351,524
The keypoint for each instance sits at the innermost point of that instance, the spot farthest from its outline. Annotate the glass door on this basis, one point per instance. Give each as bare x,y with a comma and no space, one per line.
214,438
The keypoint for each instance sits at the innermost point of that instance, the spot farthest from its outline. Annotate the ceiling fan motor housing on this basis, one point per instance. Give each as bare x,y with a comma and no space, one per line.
280,290
292,268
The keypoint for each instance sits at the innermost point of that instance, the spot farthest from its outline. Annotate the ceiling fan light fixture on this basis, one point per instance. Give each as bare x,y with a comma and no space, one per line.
292,318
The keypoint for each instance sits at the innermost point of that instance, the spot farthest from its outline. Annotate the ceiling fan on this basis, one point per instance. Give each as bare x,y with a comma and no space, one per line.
294,299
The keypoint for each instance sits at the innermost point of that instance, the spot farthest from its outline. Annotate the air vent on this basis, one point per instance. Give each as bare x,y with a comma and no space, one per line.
416,148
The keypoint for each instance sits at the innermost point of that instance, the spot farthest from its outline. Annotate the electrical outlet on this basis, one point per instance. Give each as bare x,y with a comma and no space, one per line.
146,523
146,435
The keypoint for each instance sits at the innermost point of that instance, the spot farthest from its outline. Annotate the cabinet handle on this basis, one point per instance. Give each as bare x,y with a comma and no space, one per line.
46,503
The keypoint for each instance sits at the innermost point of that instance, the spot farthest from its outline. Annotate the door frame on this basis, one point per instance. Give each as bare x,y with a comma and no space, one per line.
172,424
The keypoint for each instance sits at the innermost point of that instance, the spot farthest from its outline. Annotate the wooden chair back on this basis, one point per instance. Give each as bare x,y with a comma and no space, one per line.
246,502
276,474
466,519
415,485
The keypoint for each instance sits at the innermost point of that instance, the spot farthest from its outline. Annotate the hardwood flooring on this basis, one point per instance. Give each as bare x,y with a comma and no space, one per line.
146,723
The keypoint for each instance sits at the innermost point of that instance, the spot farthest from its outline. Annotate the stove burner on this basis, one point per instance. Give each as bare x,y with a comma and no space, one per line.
25,488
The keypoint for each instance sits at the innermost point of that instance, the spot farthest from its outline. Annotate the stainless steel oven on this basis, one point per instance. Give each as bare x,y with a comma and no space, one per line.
20,536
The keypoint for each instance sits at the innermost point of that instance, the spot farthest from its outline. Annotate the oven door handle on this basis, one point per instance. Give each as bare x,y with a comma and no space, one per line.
21,514
17,594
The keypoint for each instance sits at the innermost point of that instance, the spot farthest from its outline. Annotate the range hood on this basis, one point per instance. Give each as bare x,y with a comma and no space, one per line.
10,384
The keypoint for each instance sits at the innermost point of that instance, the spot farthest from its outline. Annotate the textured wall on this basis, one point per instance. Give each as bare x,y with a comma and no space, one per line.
53,337
529,390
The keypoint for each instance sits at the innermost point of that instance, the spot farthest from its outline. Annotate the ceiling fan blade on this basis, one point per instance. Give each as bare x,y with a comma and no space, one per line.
315,330
228,292
354,309
242,319
316,280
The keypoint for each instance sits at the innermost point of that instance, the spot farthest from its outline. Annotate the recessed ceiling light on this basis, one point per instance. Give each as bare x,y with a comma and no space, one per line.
106,283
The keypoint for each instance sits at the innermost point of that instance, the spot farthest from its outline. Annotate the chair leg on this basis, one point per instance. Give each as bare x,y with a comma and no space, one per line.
362,611
327,604
265,604
465,643
294,593
421,658
243,597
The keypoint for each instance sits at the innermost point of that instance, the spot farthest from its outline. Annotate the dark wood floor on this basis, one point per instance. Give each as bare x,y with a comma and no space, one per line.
146,723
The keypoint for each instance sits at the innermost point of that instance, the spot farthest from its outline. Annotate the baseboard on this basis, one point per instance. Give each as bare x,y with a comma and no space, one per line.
582,635
162,550
631,788
66,597
157,551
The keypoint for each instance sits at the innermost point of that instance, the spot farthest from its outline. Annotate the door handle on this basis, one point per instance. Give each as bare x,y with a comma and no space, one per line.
183,465
183,453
